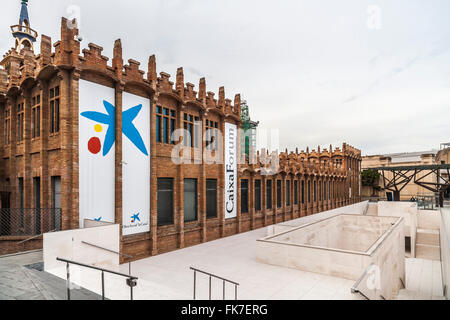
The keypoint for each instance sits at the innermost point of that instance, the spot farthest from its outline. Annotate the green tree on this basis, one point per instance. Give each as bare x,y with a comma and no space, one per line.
370,178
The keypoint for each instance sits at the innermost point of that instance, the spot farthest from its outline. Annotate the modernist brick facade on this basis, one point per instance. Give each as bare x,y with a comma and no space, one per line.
330,174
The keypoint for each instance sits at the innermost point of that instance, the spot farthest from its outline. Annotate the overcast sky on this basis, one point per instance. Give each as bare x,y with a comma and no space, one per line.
374,74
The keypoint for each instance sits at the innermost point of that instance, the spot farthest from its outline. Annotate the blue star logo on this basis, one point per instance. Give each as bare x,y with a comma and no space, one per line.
135,217
128,128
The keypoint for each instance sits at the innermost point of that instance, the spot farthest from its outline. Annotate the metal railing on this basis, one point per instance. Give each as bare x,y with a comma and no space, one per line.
29,222
131,280
31,238
210,282
112,251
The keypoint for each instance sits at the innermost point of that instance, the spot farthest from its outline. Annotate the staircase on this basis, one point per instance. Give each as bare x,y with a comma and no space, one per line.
427,244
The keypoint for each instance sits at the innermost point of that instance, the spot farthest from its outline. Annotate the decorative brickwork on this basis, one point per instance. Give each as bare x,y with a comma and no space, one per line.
330,173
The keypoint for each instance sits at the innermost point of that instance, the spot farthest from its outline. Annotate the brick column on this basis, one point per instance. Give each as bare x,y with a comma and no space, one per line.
263,199
251,200
153,182
202,182
179,188
275,199
118,159
27,174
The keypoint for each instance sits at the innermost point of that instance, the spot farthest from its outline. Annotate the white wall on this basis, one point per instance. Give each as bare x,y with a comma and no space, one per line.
445,248
409,212
68,245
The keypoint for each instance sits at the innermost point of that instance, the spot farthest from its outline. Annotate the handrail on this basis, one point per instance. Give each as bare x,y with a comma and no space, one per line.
33,237
131,280
112,251
355,286
217,277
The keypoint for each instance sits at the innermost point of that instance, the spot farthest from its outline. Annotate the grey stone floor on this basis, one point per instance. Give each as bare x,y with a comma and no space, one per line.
21,279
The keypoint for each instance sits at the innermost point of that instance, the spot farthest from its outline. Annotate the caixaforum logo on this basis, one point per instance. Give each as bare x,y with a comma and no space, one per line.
135,217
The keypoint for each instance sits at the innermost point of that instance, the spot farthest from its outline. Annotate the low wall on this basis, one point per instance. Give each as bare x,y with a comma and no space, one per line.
68,245
386,252
445,249
357,208
409,212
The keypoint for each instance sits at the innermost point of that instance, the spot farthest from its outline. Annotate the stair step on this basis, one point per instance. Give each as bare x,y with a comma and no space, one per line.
405,294
430,252
428,237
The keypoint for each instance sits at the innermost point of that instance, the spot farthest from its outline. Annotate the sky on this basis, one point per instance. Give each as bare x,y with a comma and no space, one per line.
374,74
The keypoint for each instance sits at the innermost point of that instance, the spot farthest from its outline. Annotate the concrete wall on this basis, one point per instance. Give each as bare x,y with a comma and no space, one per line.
357,208
68,245
409,212
344,232
386,252
445,249
428,219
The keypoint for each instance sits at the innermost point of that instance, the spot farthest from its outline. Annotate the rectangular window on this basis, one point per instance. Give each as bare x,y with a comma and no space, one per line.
325,190
190,200
244,195
7,124
329,190
314,191
211,130
303,191
257,195
165,124
192,130
288,192
165,201
36,116
211,198
21,202
295,192
278,193
320,190
56,203
309,191
269,194
37,204
54,109
20,121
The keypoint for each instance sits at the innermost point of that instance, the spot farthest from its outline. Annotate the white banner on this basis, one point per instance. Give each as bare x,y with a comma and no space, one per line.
135,164
230,170
96,152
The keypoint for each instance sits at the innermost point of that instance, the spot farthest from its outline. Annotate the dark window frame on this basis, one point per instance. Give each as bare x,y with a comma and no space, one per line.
244,196
195,192
170,191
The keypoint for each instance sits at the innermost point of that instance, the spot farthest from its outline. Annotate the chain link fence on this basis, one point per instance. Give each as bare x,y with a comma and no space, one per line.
29,222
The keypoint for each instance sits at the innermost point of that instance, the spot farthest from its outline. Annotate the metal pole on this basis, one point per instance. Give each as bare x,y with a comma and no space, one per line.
131,291
129,268
209,287
224,290
68,281
195,273
235,292
103,285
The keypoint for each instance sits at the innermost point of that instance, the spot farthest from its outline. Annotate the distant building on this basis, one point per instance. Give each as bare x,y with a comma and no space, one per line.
411,190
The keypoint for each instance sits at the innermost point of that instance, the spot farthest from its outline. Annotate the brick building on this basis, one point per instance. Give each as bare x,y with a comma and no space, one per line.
49,161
